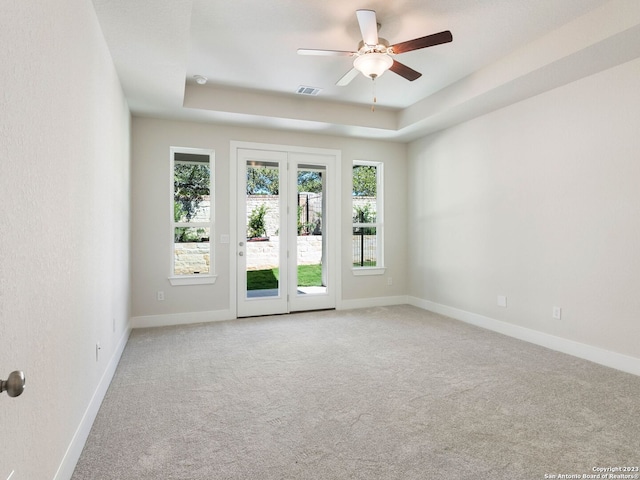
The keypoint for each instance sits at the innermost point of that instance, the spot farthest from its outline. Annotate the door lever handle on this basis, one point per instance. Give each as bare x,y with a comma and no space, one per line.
14,385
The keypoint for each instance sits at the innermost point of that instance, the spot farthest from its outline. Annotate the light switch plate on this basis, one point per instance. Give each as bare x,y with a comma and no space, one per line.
502,301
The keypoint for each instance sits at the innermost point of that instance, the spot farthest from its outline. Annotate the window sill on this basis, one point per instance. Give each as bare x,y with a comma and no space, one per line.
193,280
369,271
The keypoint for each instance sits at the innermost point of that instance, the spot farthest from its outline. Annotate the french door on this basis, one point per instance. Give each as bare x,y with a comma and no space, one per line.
286,231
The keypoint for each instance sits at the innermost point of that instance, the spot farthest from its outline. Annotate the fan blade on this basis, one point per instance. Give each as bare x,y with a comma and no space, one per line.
329,53
368,26
347,77
404,71
422,42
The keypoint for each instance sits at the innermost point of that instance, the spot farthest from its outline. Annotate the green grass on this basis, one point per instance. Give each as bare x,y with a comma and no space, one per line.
308,276
262,279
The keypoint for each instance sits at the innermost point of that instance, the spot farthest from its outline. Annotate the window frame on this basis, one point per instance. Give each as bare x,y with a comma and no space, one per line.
193,278
380,268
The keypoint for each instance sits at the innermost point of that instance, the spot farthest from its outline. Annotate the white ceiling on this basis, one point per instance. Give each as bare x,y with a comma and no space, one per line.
502,51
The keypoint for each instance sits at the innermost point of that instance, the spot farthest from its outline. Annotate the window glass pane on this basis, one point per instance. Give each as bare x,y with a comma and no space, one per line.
364,210
191,250
365,181
364,247
191,195
365,186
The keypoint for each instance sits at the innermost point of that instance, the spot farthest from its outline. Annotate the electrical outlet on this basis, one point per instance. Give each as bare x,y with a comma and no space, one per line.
557,313
389,281
160,295
502,301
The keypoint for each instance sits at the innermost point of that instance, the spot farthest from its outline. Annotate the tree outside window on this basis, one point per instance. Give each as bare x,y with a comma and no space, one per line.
367,249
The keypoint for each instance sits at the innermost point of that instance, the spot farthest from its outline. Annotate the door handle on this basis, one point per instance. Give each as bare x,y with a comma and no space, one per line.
14,385
241,254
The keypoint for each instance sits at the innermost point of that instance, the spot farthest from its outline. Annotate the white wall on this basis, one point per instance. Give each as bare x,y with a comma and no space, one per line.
540,202
151,213
64,230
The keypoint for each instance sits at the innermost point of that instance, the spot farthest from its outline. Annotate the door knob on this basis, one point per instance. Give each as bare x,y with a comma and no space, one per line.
241,254
14,385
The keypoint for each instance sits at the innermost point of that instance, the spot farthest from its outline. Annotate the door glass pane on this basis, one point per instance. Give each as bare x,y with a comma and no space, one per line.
263,229
310,245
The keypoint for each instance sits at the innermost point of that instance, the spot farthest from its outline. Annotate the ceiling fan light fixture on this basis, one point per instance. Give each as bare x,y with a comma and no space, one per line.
373,64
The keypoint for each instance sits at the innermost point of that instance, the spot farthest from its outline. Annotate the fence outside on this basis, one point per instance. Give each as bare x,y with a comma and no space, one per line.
310,210
310,213
364,250
194,257
265,255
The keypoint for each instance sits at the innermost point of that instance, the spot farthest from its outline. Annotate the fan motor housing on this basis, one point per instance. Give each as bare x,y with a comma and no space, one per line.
381,47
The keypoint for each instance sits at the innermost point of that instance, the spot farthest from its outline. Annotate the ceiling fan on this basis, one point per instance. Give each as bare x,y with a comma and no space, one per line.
374,54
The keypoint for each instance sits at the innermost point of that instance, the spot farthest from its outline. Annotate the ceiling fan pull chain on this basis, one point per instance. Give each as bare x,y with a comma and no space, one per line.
373,105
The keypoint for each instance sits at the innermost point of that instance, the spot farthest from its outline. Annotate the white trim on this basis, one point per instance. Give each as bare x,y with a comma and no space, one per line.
358,271
233,226
193,280
282,148
74,450
372,302
171,319
601,356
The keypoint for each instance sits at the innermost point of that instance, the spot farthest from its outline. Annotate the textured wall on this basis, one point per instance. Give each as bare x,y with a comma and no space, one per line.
64,235
539,202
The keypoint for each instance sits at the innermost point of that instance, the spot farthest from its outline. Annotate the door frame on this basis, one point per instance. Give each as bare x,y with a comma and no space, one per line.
333,228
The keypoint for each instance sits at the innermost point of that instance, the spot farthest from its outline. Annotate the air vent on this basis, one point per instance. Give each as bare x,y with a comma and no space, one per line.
302,90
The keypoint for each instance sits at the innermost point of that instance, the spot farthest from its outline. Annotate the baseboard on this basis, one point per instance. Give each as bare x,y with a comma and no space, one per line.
74,450
187,318
601,356
172,319
372,302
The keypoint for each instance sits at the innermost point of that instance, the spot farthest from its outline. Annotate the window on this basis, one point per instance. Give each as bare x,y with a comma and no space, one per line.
367,237
192,216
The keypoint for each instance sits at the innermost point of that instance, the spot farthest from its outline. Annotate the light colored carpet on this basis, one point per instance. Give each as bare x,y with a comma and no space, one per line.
379,393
